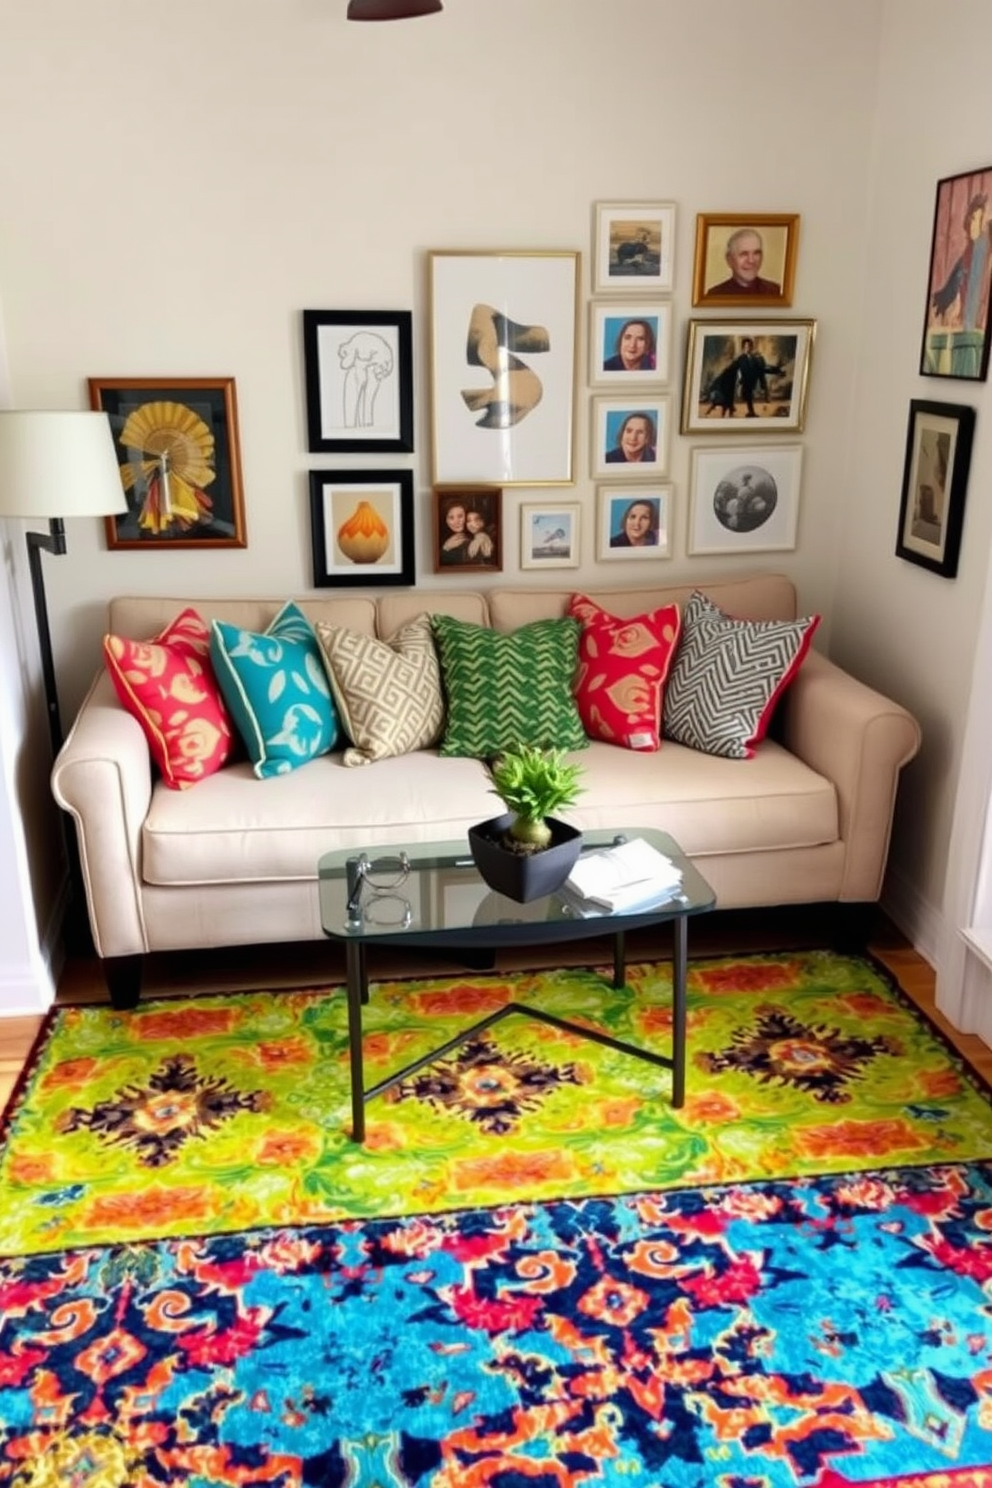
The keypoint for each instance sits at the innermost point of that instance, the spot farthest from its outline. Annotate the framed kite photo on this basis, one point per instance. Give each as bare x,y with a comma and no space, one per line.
503,337
177,446
359,377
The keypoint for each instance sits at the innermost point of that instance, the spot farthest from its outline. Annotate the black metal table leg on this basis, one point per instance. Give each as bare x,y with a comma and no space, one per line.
358,992
679,957
619,960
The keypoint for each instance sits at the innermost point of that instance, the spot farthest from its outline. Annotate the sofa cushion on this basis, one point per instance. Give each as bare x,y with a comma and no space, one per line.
168,684
622,669
388,693
277,691
728,676
503,690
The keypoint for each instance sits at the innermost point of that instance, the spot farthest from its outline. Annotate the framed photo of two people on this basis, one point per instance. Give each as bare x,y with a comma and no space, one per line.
746,376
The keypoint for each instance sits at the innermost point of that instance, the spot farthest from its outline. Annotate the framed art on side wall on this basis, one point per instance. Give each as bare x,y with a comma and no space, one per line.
744,500
177,447
634,523
359,376
468,529
361,527
746,377
503,347
956,321
745,260
630,436
934,484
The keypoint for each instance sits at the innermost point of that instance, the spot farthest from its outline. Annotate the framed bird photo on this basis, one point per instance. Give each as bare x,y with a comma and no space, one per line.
956,319
180,464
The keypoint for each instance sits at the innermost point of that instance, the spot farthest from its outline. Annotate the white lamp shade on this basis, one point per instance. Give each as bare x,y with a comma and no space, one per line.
58,465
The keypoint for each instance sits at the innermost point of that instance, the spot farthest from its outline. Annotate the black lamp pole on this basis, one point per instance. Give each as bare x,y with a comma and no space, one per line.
38,543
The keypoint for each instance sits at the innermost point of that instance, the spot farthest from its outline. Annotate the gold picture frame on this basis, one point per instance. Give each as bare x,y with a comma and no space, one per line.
746,376
745,260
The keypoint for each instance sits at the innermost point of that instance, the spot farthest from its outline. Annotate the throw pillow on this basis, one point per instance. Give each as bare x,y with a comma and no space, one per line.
502,690
277,690
388,693
623,665
168,684
728,676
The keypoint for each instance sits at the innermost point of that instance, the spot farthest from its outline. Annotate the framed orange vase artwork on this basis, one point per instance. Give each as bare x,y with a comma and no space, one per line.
361,527
180,464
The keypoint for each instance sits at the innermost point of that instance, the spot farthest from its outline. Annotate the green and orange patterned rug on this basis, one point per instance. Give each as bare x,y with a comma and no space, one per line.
224,1113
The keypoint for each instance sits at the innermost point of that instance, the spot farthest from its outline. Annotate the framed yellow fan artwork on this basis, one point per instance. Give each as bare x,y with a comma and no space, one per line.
177,447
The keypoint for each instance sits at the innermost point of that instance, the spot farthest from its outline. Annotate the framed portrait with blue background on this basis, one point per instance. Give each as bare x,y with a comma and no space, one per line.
630,436
634,523
630,343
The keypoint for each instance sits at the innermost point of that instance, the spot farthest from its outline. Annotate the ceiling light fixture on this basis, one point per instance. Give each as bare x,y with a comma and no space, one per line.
391,10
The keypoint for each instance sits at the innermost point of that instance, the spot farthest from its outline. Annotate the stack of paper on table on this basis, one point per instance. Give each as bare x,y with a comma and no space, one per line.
621,877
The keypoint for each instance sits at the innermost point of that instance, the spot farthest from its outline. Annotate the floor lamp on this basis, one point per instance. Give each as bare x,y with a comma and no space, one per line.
55,465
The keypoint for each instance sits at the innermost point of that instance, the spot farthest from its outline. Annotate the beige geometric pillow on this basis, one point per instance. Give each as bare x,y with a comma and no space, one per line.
387,692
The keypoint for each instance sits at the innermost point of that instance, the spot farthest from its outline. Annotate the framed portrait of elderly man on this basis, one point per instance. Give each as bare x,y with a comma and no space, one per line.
744,261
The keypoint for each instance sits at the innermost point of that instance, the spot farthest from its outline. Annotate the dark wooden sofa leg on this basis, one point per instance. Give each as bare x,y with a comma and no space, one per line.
123,977
853,928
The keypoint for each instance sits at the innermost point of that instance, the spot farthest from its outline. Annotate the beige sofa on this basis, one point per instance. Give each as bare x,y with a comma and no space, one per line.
233,860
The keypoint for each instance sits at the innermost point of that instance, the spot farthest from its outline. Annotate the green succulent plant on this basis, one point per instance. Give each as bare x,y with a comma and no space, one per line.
533,783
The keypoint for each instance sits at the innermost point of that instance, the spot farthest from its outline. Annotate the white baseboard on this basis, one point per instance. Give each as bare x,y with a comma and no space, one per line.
921,922
28,988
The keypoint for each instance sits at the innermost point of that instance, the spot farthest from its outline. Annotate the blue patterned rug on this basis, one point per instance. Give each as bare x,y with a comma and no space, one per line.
820,1332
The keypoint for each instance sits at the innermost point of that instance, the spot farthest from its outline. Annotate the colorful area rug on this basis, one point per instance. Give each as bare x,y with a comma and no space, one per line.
225,1113
536,1275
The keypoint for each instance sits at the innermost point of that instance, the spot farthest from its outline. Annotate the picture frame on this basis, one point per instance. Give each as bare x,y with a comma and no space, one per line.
359,381
503,380
549,534
475,543
615,506
376,506
623,426
745,259
934,484
746,376
956,321
179,455
633,247
630,342
744,500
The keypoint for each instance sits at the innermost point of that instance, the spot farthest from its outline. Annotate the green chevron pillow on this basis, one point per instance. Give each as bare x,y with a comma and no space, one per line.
503,690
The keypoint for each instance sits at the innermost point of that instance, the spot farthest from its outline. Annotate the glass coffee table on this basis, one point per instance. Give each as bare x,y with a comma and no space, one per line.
430,896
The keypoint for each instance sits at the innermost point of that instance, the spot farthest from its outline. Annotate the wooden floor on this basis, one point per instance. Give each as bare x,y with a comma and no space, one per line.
320,964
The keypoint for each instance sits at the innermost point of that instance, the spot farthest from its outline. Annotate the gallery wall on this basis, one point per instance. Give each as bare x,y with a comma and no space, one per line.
190,178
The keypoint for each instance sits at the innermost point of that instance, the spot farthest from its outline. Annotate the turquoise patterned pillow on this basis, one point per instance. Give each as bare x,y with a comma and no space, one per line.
277,691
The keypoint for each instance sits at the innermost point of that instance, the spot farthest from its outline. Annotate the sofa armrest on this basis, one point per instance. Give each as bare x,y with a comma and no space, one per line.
103,777
859,739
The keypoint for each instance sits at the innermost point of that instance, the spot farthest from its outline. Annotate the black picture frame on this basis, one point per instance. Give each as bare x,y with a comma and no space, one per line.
177,446
359,381
934,483
379,550
957,319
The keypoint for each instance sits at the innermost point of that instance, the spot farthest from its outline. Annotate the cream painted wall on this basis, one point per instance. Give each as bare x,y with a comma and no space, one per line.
191,176
895,624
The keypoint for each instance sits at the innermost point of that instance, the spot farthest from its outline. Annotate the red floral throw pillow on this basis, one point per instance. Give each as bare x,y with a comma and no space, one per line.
623,665
168,684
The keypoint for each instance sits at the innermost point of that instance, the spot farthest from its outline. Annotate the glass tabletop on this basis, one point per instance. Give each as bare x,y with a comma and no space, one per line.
434,890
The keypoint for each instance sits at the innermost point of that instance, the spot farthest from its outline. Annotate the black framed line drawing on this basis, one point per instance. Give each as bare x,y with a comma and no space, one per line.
503,338
934,484
177,446
361,527
359,381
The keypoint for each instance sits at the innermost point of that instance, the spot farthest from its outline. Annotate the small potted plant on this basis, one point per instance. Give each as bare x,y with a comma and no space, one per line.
528,852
